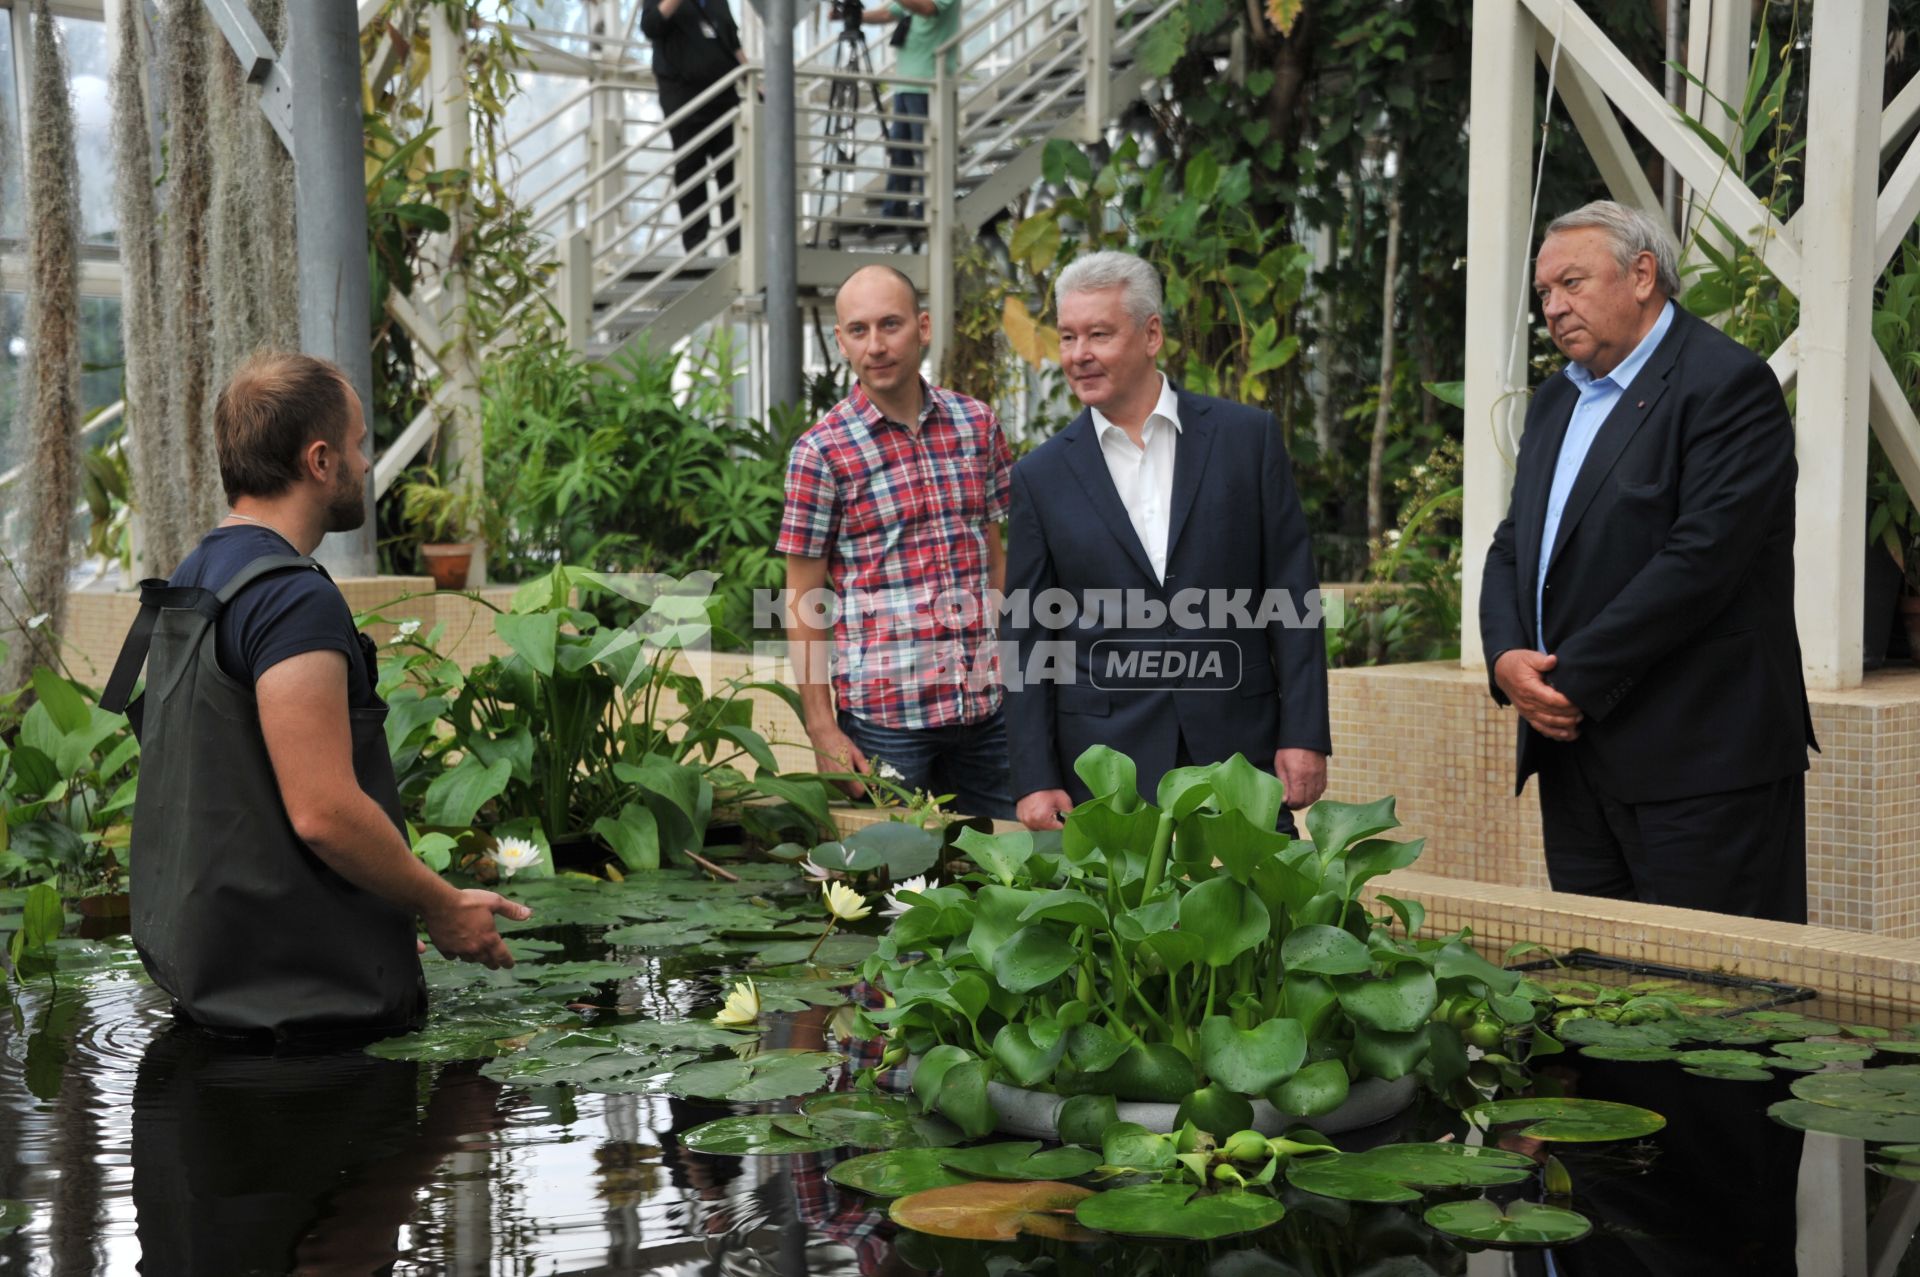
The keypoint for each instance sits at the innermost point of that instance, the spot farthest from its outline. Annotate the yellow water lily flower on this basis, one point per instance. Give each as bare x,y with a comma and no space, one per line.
742,1008
844,903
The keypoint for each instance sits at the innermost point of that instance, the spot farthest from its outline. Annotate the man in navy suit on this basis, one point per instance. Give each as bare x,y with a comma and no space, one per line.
1637,607
1161,588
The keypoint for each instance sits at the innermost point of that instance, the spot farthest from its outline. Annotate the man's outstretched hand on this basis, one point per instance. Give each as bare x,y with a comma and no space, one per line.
1044,809
1521,674
462,927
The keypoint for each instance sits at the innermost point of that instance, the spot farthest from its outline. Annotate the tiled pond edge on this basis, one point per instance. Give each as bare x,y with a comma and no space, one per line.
1868,971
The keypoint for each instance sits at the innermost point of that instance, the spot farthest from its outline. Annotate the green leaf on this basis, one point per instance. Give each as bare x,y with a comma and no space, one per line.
1172,1210
1133,1146
1322,950
64,702
1094,1049
1399,1002
1034,956
1387,1055
1152,1071
1005,856
532,635
1074,908
1317,1089
760,1135
1824,1051
1251,1060
1110,774
1852,1124
41,918
1336,826
436,850
1521,1224
1203,176
1216,1110
904,850
1084,1119
455,797
1570,1120
635,837
768,1076
1894,1089
1164,44
13,1216
1026,1062
857,1119
1347,1178
963,1098
1229,917
1020,1161
899,1172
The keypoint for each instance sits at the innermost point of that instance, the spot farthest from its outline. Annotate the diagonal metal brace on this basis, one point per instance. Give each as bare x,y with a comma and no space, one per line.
259,64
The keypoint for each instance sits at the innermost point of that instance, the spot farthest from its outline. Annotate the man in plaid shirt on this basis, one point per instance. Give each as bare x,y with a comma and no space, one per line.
895,501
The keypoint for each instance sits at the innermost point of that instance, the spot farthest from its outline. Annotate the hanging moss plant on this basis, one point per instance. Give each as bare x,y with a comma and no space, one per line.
50,397
159,466
269,186
183,258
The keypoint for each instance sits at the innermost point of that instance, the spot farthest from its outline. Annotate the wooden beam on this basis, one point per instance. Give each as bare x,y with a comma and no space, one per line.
1600,129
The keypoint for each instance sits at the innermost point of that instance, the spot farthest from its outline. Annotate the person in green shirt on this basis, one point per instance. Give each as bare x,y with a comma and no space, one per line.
930,24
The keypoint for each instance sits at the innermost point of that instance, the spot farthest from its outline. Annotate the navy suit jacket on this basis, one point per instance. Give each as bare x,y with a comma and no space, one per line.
1669,591
1236,531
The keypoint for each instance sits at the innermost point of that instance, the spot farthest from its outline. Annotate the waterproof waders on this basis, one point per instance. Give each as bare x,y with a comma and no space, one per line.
233,915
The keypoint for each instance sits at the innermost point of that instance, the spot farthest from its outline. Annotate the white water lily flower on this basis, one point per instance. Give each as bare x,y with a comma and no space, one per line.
814,871
514,854
742,1008
895,905
844,902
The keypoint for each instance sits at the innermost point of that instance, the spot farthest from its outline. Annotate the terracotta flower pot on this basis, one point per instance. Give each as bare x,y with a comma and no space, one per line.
448,564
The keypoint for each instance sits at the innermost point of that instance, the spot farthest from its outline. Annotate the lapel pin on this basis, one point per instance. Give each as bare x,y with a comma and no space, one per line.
1641,404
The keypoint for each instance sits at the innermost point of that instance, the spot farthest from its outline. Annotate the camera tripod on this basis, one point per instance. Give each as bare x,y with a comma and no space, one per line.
838,185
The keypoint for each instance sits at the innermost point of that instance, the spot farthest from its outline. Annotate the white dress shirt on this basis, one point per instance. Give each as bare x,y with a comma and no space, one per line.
1144,475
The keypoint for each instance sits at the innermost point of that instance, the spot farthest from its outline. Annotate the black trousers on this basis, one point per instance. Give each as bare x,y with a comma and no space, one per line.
696,224
1741,852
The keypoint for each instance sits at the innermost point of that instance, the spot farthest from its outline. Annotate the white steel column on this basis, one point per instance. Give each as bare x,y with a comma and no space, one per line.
1836,338
1500,126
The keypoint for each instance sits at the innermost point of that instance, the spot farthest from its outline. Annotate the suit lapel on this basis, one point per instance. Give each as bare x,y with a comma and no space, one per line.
1192,443
1629,412
1089,466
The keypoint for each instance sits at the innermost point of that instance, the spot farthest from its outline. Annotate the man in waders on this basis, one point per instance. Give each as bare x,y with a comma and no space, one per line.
272,885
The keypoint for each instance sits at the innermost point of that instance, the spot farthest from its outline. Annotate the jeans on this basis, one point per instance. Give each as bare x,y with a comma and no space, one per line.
967,760
901,129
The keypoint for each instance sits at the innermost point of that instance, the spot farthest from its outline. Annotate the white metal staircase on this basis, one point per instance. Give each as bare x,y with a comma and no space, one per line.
1024,71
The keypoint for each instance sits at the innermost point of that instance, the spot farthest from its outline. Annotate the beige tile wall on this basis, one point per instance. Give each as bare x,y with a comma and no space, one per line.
1432,736
1427,733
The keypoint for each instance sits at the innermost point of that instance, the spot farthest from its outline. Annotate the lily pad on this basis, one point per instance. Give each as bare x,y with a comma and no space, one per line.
1640,1054
1392,1172
1895,1089
690,1035
1826,1052
1020,1161
1570,1120
755,1136
770,1076
1732,1072
13,1216
1521,1224
899,1172
1173,1210
858,1120
1723,1059
1898,1046
1853,1124
841,949
657,935
1344,1177
992,1212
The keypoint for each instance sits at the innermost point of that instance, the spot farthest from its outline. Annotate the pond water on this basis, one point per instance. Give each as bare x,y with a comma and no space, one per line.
138,1145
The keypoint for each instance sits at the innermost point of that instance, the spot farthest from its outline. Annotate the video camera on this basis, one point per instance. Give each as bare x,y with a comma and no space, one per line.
849,12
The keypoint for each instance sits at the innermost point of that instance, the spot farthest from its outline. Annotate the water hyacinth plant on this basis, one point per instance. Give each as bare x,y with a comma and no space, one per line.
1182,951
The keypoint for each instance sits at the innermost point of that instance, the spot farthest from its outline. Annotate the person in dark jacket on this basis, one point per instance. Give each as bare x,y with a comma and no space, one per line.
695,46
273,889
1637,604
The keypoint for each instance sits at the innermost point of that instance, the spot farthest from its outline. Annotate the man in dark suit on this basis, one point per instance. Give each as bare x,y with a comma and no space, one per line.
1637,607
695,46
1161,588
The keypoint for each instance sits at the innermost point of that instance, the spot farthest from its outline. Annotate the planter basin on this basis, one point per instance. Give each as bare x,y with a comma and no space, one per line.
1033,1113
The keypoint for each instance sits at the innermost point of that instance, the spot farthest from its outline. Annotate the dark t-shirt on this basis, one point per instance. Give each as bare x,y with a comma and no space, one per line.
277,616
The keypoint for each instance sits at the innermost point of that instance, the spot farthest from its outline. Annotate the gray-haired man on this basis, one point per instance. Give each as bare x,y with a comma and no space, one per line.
1637,607
1179,511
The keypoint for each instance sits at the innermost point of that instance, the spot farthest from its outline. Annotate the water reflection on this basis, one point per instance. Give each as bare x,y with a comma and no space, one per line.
251,1161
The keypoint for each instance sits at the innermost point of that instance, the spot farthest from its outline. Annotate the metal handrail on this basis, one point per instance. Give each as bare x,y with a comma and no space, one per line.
1125,39
1062,26
624,197
641,294
566,104
105,417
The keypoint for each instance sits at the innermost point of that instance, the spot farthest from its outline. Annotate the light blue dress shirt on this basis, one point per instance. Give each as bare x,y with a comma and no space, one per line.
1598,395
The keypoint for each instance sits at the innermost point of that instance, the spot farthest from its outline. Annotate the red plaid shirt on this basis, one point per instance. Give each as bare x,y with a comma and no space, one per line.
901,520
